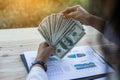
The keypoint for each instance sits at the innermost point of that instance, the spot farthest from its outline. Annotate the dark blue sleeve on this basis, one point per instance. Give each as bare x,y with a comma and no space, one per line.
110,34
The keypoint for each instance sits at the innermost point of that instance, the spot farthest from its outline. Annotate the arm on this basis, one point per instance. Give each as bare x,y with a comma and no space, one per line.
37,72
80,14
97,22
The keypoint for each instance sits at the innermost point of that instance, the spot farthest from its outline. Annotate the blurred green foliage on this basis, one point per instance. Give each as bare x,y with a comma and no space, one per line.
29,13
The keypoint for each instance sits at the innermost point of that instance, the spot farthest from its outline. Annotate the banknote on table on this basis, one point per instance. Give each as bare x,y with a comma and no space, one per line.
62,33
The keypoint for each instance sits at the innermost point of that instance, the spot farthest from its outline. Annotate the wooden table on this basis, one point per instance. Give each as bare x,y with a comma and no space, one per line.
14,42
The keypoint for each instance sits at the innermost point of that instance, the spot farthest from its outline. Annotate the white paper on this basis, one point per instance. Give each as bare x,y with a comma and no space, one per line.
80,62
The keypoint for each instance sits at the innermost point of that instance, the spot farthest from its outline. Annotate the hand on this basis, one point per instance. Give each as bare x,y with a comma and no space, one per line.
78,13
44,51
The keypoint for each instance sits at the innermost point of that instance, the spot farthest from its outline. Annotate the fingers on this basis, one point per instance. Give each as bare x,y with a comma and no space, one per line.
44,52
43,45
69,10
71,15
50,50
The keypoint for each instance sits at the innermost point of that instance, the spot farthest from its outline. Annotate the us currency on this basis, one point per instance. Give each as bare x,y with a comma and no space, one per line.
68,41
62,33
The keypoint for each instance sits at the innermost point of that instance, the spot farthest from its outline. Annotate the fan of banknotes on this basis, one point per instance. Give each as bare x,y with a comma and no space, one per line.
62,33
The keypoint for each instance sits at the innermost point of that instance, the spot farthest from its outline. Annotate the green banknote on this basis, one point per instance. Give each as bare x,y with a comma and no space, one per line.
62,33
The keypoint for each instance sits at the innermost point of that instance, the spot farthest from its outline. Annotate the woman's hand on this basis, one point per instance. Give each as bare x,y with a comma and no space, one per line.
44,51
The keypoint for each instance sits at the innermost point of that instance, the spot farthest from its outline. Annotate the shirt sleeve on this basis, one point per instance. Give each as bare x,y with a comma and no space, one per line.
37,73
110,34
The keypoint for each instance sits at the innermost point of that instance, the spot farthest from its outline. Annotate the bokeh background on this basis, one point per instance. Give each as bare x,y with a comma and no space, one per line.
29,13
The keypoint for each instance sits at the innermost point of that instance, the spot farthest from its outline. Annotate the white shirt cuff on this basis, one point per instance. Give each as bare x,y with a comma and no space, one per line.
37,73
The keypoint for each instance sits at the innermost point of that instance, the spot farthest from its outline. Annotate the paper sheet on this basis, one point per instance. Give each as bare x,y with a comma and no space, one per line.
80,62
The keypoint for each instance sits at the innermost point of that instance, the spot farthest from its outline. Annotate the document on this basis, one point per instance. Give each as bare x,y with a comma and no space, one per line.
80,63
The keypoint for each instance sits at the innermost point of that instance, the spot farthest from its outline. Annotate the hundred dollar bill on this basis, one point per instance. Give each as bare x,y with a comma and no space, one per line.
62,33
68,41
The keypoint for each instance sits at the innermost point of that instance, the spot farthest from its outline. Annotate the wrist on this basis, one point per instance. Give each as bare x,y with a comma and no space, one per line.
86,19
96,22
39,64
40,59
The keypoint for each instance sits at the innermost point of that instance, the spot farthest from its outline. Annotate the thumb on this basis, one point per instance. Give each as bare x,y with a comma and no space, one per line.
72,14
50,49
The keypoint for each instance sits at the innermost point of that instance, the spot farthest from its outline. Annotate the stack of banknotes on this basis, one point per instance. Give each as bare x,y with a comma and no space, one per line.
62,33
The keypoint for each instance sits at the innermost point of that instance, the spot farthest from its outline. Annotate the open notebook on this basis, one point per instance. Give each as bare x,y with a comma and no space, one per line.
80,63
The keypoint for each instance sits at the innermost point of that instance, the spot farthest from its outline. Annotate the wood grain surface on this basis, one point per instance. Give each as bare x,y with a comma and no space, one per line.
14,42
